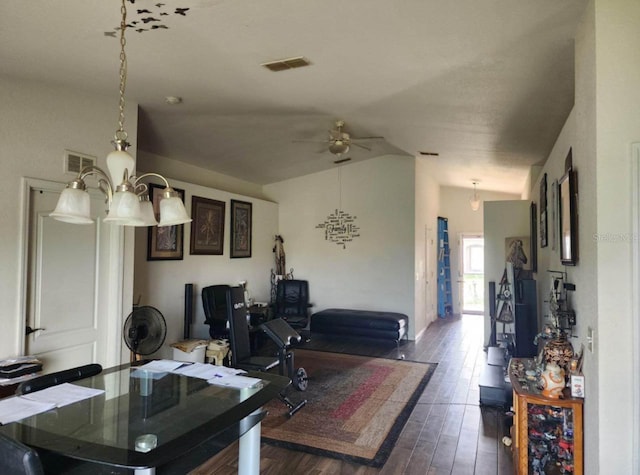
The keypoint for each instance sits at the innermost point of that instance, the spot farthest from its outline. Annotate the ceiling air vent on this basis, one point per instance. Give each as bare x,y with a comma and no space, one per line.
289,63
74,161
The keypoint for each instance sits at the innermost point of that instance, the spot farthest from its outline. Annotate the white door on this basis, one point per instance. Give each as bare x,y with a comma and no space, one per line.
65,266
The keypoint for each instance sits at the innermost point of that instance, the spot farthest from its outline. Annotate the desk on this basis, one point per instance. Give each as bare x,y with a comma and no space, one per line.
182,412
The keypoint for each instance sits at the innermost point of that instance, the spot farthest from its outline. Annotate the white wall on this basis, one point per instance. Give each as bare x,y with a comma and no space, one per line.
454,205
161,283
502,219
427,202
616,64
376,270
198,176
38,123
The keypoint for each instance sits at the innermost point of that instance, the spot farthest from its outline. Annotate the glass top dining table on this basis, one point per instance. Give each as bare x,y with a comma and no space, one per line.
172,412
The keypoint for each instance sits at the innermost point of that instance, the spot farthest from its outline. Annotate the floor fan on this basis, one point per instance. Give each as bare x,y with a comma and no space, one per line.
144,332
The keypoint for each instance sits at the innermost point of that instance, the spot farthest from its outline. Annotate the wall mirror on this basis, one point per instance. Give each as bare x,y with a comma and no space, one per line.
568,222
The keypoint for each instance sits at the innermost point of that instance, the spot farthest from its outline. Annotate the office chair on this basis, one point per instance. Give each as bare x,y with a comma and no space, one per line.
278,330
214,304
292,302
59,377
17,458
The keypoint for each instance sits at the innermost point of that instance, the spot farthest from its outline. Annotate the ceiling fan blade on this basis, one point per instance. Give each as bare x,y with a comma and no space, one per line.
361,146
310,141
375,137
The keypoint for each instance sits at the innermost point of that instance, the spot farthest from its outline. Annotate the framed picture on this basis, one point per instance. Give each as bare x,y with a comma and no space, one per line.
543,212
207,227
568,223
240,228
516,252
164,243
533,251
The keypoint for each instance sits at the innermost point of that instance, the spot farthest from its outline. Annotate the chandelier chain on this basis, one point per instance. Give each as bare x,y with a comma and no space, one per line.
121,134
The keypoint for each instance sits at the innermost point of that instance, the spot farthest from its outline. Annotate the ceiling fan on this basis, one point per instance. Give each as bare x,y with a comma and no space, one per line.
340,141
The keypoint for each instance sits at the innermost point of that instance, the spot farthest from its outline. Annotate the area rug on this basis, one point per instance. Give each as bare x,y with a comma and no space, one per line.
356,409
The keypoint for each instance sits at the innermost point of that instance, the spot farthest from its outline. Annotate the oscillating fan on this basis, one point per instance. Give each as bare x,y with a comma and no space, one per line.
144,331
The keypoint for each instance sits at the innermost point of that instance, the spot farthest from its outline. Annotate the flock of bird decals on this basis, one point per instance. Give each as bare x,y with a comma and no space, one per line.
147,19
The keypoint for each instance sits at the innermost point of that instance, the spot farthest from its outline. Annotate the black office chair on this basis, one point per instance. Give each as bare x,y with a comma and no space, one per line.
17,458
292,302
214,304
278,330
59,377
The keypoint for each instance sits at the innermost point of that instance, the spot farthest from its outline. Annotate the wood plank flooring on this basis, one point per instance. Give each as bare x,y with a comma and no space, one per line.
447,433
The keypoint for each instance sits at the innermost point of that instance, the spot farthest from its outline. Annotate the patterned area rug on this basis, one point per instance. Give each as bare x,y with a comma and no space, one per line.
356,409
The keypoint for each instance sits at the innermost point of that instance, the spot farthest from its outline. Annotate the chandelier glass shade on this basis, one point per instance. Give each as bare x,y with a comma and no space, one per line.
127,195
475,201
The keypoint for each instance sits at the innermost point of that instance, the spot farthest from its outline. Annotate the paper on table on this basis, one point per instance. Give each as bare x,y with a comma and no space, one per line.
161,365
207,371
63,394
236,381
15,408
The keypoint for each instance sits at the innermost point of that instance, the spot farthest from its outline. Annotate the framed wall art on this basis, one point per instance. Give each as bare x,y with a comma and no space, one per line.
533,249
164,243
241,215
543,212
568,223
207,227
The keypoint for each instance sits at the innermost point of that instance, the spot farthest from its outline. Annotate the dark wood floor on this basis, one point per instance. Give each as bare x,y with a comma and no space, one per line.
447,433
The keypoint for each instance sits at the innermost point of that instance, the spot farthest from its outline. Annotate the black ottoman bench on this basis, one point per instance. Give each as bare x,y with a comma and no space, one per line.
340,321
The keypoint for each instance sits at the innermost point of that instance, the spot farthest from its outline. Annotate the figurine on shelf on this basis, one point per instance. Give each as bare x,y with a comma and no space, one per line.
552,381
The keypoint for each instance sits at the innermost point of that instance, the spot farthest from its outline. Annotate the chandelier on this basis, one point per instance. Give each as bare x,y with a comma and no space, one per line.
475,201
127,196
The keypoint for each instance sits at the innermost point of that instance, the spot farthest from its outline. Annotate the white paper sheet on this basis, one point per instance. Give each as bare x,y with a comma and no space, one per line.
161,365
63,394
236,381
15,408
207,371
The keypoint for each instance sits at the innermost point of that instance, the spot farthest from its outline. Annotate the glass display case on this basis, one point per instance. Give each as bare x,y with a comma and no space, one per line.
547,437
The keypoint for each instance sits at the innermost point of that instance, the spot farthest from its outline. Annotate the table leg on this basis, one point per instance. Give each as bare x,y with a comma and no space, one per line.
249,451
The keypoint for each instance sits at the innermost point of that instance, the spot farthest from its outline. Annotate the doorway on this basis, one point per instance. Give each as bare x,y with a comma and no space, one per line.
73,283
472,266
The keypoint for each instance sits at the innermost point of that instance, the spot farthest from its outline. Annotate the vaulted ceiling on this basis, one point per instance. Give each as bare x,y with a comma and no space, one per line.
484,84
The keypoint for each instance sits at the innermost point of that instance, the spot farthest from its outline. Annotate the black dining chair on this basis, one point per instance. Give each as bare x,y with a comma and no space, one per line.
17,458
59,377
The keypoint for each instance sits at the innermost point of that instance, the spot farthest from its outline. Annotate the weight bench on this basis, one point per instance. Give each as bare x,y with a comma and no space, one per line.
367,323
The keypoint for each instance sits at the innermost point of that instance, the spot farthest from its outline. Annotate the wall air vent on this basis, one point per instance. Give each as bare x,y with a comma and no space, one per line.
74,161
342,160
429,154
284,64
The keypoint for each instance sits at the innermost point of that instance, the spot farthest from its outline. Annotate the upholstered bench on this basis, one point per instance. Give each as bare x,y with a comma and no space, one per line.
366,323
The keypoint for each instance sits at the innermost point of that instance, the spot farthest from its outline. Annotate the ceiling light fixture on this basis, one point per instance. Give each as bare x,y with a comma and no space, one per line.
127,203
339,147
475,201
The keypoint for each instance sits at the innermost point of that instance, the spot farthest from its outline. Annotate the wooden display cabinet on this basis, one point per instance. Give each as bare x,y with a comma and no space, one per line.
547,433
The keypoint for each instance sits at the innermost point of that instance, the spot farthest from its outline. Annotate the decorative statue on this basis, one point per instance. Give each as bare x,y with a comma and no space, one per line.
278,249
552,381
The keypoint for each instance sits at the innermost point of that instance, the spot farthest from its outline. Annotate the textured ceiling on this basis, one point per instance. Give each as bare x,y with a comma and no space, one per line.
486,84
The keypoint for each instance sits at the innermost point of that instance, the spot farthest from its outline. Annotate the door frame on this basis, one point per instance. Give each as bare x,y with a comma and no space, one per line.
462,237
115,273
